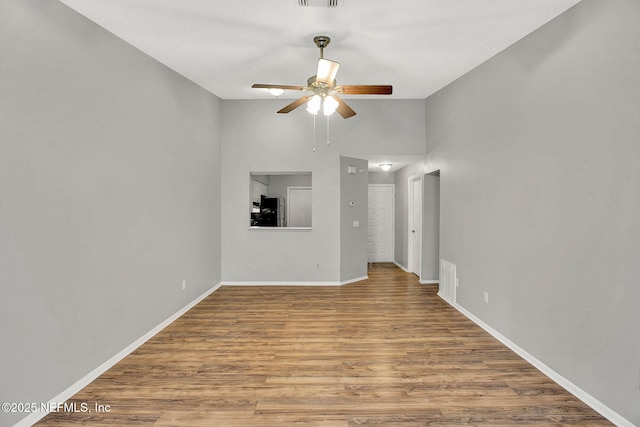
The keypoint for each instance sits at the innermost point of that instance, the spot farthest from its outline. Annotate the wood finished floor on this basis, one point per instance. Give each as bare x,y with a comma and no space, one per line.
386,351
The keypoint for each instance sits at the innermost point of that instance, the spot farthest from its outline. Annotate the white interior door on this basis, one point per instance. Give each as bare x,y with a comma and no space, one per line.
298,206
415,225
380,239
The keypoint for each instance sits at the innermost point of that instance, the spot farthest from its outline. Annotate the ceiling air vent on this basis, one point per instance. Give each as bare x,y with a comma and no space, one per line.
320,3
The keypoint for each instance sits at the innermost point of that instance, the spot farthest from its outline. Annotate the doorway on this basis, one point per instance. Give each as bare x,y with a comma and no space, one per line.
380,228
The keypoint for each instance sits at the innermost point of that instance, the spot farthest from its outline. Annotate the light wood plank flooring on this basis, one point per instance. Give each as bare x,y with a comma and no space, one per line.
381,352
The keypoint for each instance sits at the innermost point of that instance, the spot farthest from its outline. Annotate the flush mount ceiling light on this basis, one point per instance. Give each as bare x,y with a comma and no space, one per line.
324,89
385,166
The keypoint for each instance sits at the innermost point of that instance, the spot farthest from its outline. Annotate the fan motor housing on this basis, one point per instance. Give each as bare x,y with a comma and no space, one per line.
322,41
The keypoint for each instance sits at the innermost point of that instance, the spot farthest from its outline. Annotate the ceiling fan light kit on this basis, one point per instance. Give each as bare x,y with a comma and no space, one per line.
329,105
324,88
313,106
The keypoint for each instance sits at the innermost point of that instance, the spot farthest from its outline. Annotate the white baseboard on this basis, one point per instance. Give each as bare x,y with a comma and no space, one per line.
281,283
34,417
402,267
429,282
591,401
346,282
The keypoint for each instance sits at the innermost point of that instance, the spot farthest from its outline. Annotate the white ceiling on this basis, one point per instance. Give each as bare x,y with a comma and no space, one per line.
418,46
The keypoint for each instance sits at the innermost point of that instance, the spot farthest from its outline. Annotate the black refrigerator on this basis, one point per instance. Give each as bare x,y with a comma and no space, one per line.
268,216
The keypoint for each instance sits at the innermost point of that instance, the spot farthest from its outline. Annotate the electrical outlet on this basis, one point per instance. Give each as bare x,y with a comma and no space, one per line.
486,297
184,284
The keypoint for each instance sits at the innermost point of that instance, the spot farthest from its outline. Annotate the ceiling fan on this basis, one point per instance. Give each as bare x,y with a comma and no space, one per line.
324,89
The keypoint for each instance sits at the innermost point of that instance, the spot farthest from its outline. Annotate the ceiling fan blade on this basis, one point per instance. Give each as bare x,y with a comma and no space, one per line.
285,87
295,104
327,71
366,89
343,109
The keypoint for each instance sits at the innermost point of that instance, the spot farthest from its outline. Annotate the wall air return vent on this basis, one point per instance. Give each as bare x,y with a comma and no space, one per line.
448,281
319,3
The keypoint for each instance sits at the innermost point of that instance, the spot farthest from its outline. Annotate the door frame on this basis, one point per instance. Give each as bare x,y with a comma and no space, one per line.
288,204
393,217
410,240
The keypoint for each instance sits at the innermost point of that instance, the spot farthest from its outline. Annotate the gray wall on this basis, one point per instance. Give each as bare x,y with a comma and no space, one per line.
109,197
255,138
353,240
279,143
540,195
381,127
382,178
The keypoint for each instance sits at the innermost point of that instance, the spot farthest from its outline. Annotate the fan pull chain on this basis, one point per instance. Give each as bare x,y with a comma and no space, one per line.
328,118
314,133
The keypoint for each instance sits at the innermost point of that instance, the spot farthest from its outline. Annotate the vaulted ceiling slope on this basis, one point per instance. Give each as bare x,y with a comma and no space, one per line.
418,46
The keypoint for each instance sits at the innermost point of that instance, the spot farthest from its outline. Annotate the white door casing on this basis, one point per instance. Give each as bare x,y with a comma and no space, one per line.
414,250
